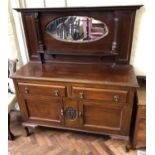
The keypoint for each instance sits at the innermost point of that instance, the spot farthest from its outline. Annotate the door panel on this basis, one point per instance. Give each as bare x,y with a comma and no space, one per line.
101,117
44,110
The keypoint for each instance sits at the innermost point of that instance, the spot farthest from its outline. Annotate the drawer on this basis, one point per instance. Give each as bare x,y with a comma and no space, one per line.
42,89
111,95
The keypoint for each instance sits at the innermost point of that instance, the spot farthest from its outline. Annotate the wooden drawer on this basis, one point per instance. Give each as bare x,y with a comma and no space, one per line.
42,89
100,94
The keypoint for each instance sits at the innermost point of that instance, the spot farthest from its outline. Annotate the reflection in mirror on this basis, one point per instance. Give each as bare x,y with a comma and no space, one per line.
77,29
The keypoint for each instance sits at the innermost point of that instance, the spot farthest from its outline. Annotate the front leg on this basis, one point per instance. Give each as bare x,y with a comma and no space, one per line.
27,127
28,133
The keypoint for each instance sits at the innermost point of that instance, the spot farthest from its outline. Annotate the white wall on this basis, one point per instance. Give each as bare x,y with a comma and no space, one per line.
142,24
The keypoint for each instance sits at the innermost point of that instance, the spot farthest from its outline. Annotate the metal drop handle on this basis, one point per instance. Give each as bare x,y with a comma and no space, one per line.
116,98
56,93
82,95
26,90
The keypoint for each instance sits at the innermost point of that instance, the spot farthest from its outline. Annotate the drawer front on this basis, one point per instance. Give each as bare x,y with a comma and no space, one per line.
100,94
42,89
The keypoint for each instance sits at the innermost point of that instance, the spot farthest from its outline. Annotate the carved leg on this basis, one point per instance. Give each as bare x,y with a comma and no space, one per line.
10,135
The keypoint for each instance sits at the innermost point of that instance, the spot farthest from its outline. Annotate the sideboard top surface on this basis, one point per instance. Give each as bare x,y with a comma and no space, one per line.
79,73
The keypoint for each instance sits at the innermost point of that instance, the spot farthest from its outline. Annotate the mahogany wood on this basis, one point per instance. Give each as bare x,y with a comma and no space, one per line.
97,111
79,86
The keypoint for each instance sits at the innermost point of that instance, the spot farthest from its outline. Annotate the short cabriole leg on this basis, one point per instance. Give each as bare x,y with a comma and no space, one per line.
27,127
28,133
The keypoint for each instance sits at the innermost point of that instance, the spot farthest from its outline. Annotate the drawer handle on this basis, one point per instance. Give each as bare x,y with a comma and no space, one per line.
80,114
62,112
116,98
56,93
26,90
82,95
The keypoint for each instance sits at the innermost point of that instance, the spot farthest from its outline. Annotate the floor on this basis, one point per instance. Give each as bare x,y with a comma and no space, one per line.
46,141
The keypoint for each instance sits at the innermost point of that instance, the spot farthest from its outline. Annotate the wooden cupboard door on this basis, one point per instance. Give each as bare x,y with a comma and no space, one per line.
44,110
100,117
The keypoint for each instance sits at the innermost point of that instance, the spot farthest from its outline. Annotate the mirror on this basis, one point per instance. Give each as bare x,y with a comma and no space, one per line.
78,29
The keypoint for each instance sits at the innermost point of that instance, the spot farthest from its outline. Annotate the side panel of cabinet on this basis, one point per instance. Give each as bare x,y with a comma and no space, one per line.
100,117
139,137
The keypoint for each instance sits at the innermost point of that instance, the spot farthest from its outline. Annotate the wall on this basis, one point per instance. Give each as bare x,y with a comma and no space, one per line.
13,50
141,30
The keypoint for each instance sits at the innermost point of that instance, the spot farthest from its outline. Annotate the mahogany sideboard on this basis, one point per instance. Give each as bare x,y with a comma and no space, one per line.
79,76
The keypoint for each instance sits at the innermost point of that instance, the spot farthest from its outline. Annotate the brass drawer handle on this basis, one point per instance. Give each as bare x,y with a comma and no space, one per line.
116,98
26,90
80,114
82,95
56,93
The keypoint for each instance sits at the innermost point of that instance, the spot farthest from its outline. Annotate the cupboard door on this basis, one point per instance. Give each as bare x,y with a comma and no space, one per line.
100,117
44,110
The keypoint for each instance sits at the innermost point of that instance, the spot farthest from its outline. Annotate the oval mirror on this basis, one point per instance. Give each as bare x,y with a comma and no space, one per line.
78,29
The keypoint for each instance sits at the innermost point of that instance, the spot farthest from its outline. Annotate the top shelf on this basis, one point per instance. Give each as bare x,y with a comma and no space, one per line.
61,9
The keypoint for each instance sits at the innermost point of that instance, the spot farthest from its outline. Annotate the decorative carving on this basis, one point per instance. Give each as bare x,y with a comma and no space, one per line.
70,113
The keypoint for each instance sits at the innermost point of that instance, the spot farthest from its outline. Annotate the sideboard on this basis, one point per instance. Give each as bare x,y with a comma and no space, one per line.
79,76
